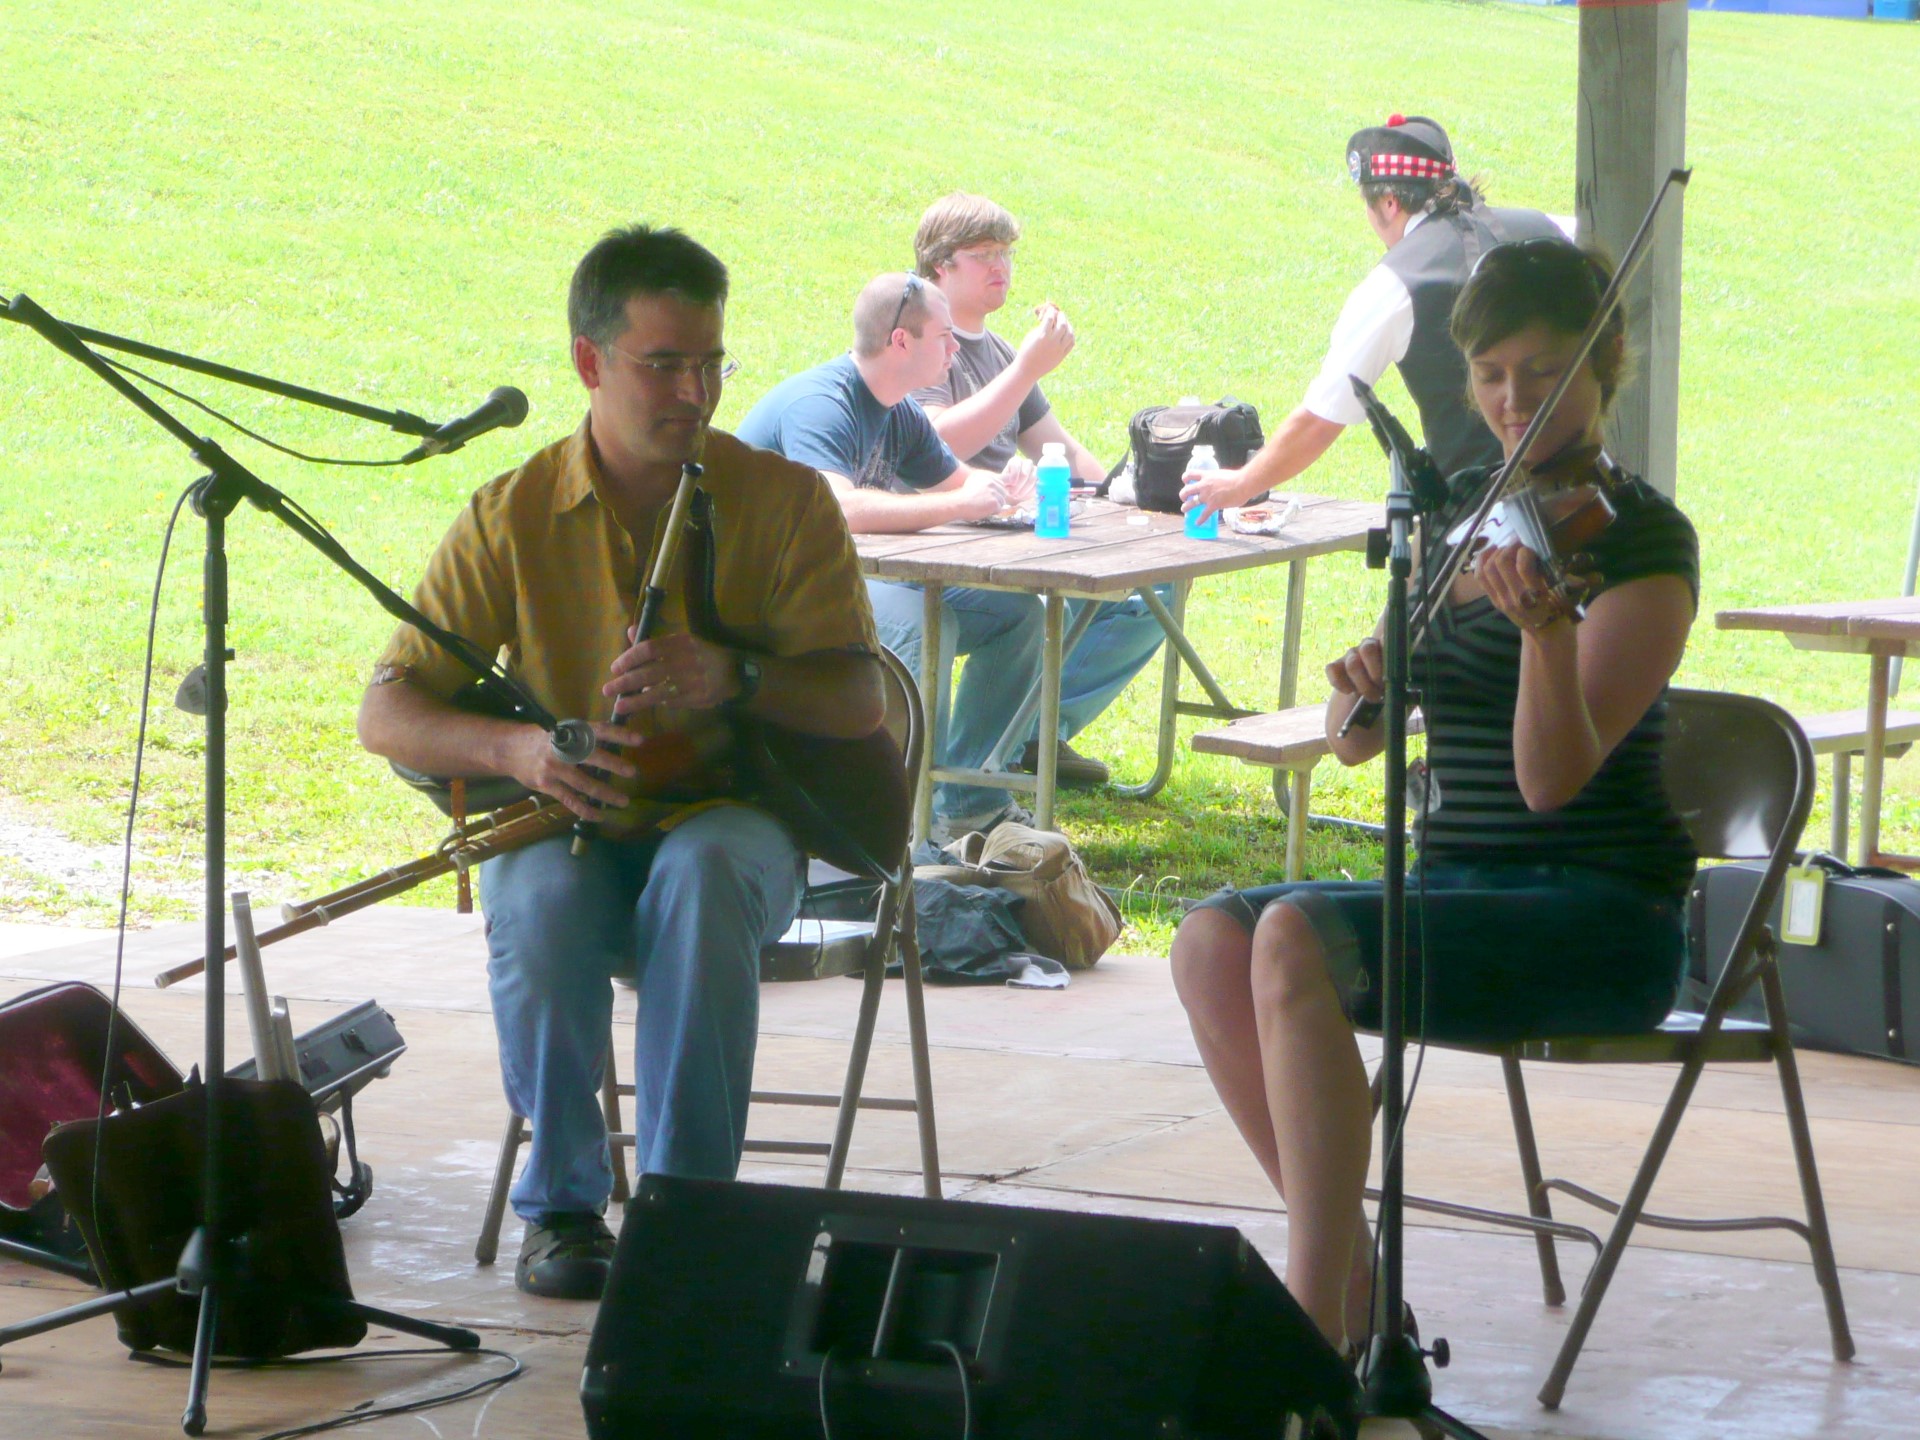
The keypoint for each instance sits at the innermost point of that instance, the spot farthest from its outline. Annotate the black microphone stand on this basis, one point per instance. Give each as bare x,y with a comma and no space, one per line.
403,421
1395,1383
214,1261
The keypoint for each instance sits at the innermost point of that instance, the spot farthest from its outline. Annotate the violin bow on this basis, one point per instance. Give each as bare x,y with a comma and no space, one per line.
652,595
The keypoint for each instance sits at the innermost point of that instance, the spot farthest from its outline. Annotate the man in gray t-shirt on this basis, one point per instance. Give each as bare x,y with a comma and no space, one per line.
989,406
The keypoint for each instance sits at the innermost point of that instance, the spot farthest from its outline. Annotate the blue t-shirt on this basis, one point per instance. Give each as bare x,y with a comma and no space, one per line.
826,417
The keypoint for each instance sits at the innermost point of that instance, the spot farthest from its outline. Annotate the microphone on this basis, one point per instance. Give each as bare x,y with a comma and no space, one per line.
1423,476
503,409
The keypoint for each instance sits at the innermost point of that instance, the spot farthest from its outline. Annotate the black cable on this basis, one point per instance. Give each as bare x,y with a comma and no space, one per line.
228,420
826,1364
966,1386
357,1417
126,856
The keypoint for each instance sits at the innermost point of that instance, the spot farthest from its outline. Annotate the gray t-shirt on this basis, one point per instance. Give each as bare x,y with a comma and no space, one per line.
980,360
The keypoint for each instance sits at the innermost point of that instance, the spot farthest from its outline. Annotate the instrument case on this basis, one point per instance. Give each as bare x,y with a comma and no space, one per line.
1857,990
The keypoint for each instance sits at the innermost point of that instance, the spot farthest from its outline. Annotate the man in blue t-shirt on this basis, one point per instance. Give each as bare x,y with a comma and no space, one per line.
853,421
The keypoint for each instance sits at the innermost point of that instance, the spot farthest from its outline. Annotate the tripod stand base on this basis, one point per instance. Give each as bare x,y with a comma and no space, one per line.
1395,1386
206,1330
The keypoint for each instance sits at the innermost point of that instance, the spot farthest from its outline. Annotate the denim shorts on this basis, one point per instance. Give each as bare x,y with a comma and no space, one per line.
1497,953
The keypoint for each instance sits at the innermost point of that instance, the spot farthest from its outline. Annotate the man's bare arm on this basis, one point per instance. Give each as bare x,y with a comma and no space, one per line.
417,729
1303,437
1086,466
966,494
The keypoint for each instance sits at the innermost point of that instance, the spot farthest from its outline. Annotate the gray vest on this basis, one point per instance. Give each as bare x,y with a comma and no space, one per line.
1433,263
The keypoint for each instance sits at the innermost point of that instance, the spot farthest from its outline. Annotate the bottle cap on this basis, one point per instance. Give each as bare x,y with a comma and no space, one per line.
1053,447
1206,450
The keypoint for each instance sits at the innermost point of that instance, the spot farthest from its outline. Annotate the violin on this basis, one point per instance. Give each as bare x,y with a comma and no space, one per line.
1556,509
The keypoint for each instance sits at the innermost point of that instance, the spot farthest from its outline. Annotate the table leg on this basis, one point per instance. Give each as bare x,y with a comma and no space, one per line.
1047,763
1172,622
1283,790
932,688
1873,763
1290,639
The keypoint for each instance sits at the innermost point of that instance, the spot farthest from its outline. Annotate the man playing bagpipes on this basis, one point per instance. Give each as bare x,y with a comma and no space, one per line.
679,889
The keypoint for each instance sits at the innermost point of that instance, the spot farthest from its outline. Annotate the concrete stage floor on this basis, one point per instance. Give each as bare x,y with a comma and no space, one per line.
1089,1099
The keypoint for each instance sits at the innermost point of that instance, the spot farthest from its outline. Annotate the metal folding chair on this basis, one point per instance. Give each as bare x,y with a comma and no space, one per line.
1742,776
811,950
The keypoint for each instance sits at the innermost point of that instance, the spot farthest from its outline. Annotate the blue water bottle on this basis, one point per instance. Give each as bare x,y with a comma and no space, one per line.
1052,515
1209,528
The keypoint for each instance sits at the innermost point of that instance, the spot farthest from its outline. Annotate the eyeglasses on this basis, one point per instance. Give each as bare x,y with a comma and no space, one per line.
991,256
912,288
710,371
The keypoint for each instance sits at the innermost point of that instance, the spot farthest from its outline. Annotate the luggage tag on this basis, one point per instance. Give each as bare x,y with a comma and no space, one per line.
1802,900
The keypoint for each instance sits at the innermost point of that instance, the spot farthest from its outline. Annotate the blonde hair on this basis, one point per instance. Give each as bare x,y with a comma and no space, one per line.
956,221
889,302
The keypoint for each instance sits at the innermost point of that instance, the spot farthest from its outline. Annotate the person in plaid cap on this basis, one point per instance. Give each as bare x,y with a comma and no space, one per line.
1435,227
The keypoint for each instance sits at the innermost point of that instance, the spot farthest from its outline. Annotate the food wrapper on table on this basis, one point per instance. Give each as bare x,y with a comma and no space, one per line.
1262,519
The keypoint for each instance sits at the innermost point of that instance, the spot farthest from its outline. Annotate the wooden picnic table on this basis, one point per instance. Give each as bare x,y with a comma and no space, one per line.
1879,629
1114,551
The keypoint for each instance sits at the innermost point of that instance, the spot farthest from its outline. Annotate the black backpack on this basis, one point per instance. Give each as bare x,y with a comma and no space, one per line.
1162,438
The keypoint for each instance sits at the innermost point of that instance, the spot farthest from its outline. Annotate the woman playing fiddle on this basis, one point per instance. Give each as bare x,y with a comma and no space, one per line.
1548,893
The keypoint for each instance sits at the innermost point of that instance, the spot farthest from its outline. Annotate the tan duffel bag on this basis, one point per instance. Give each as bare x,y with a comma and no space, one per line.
1066,916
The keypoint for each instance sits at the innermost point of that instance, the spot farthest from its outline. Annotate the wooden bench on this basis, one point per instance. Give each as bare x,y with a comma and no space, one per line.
1296,740
1843,735
1292,740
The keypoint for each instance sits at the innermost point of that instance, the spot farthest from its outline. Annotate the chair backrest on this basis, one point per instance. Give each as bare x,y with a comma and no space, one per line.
1740,773
904,718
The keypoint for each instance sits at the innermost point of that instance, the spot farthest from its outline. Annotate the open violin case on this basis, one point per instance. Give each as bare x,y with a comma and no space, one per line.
53,1053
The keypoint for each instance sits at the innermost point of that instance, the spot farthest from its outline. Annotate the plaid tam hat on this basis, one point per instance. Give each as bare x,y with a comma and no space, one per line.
1407,147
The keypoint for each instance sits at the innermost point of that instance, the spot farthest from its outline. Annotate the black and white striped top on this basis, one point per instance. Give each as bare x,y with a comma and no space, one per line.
1468,672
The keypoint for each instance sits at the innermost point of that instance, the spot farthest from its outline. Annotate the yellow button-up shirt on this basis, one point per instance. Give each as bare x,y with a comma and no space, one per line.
538,569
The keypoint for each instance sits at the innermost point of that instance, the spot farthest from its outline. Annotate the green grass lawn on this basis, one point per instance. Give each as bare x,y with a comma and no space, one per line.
386,201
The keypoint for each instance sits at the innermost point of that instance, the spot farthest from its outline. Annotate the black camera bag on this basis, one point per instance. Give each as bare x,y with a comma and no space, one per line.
1162,438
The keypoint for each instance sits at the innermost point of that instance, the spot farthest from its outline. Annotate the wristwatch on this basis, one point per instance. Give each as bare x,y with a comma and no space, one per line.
746,671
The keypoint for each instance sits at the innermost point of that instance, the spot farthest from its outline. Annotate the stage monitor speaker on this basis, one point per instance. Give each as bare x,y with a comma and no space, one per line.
774,1312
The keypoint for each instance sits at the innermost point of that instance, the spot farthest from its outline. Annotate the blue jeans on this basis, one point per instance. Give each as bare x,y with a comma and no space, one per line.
1001,632
685,914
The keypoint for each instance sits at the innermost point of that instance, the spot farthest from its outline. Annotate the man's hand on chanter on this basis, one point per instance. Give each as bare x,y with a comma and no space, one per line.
672,672
531,761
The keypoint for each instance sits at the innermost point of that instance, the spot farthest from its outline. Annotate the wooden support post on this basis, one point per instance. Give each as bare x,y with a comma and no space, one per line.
1632,113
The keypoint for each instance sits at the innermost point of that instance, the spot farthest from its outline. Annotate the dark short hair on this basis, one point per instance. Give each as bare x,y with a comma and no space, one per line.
639,260
1551,282
1453,193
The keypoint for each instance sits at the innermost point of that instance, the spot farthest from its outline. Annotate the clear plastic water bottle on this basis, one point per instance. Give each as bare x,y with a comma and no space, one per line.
1209,528
1053,484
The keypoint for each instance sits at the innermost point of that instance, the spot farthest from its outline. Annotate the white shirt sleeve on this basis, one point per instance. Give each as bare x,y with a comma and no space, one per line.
1373,331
